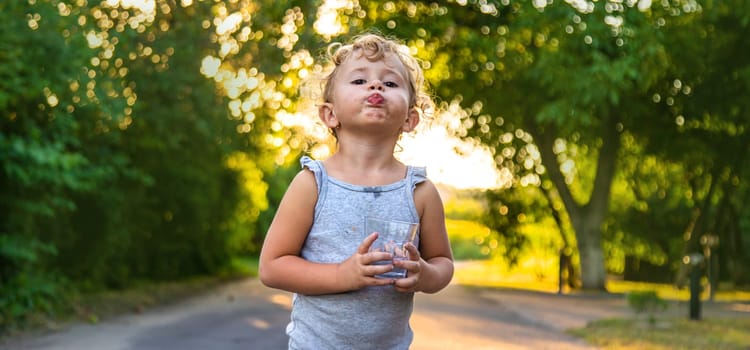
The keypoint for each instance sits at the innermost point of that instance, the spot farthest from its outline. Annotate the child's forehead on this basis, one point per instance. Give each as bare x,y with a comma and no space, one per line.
358,60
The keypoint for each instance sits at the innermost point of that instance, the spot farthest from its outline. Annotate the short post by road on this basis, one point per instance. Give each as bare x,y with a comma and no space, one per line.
694,263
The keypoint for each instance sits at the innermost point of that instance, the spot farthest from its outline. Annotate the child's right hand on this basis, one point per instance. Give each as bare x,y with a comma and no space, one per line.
358,270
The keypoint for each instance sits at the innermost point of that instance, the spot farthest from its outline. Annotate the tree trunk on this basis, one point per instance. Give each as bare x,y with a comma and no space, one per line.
587,218
589,236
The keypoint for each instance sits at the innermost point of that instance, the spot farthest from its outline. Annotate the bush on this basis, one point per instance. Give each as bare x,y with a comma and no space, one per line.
647,302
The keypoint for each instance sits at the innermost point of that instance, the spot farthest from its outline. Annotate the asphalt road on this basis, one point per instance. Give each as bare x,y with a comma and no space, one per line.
247,315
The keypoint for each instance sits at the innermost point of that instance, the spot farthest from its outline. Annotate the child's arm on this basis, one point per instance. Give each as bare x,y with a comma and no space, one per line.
431,267
282,267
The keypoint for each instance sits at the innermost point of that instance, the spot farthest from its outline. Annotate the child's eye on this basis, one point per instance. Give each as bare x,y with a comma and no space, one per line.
390,84
358,81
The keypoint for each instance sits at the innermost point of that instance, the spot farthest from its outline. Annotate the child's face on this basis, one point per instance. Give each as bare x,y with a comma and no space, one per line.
372,92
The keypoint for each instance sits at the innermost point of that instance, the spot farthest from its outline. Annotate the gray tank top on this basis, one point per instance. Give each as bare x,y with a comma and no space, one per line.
370,318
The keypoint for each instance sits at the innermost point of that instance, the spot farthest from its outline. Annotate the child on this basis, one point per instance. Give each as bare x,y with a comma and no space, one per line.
316,247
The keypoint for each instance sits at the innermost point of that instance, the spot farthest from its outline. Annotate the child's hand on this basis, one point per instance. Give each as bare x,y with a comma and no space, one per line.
358,270
413,268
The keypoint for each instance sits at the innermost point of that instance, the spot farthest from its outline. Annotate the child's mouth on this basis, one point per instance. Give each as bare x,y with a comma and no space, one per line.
375,99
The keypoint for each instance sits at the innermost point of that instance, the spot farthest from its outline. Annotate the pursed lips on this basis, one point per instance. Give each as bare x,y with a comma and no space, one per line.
375,99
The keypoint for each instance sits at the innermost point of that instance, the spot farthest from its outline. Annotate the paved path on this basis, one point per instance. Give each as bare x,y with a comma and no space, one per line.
240,315
247,315
461,318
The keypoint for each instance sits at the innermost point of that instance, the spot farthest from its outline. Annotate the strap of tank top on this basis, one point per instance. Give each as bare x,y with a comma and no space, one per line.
416,175
319,171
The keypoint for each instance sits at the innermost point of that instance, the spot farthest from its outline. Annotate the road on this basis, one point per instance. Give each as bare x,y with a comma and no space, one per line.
247,315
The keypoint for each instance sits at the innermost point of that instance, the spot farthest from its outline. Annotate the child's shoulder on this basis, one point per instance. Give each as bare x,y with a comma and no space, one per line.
304,181
426,190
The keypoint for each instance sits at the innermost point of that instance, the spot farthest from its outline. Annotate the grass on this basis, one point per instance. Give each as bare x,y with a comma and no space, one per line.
539,274
631,334
495,274
670,292
668,332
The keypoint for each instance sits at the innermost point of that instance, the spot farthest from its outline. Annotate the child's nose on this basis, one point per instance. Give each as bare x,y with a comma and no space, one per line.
376,85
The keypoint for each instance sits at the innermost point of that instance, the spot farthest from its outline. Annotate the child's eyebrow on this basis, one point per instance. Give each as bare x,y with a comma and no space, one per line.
388,70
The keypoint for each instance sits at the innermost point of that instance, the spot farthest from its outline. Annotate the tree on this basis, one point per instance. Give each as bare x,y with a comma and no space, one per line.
551,76
706,100
121,158
552,88
46,102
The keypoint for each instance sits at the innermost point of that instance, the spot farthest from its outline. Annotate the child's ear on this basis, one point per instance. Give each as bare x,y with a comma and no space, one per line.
326,115
412,120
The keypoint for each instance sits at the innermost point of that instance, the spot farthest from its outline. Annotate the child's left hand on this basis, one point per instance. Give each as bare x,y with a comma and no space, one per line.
413,268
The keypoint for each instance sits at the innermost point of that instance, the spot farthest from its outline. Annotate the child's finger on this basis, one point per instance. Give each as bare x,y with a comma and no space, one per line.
413,252
409,265
364,247
373,270
375,281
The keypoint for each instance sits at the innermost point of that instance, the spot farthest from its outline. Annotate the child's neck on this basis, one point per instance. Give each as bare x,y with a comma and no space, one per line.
360,167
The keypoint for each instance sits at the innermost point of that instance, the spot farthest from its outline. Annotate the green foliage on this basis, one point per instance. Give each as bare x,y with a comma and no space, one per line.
539,79
463,204
278,180
507,211
646,302
42,164
470,240
116,152
25,288
245,238
26,294
650,211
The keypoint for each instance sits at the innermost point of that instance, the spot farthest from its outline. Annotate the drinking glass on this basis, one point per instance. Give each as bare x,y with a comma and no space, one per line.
392,238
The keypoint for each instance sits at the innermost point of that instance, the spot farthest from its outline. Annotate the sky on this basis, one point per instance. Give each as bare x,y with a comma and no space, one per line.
449,160
435,149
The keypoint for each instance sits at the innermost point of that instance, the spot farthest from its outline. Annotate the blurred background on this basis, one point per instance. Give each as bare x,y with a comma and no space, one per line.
578,145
